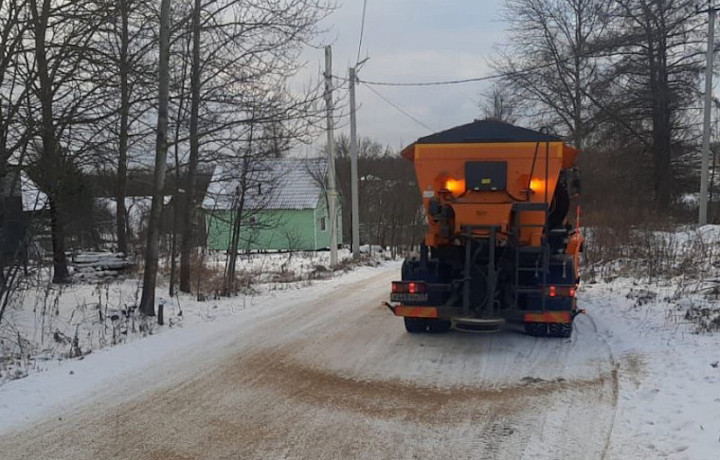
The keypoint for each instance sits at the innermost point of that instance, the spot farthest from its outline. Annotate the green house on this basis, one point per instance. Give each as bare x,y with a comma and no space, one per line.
281,205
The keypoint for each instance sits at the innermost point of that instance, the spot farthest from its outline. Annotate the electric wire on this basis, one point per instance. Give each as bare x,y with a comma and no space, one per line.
432,83
466,80
399,109
362,31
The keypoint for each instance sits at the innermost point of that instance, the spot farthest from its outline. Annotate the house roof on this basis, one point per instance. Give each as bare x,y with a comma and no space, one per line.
483,131
140,182
285,183
33,199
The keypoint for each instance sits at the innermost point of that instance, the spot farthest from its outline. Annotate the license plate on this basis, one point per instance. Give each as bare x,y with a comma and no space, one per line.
402,297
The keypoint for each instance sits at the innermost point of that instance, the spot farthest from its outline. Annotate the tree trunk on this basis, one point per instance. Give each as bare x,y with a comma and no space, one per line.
189,217
234,246
662,127
121,213
50,156
176,219
60,270
578,122
237,223
147,302
172,289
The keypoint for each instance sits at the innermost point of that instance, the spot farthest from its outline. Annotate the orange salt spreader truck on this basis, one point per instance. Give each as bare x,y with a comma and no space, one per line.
499,247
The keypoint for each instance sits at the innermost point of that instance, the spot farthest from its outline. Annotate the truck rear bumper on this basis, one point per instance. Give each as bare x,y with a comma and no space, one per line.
565,317
415,312
449,313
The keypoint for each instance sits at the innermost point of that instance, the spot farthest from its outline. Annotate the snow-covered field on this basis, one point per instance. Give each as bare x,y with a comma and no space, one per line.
46,324
639,379
658,310
669,380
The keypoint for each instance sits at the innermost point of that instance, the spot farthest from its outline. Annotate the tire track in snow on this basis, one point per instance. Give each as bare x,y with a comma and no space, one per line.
615,380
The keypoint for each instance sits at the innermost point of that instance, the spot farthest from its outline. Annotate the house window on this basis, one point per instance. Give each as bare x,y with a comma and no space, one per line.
323,224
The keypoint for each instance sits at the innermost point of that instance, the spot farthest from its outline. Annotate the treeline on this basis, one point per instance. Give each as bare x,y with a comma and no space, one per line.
390,205
79,93
620,80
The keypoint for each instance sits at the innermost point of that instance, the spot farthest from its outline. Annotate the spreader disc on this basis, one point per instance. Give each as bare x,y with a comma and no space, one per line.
478,324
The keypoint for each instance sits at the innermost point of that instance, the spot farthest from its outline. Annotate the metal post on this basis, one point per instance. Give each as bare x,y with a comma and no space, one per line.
331,193
354,170
702,219
489,307
467,275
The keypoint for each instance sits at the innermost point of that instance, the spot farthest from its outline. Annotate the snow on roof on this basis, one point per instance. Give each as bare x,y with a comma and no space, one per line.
285,183
33,199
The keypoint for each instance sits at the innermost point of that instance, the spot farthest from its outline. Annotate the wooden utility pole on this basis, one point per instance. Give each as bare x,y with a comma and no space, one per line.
147,301
704,172
332,192
354,170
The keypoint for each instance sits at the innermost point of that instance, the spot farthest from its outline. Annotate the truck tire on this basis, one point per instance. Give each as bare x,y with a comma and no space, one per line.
439,326
561,330
416,325
536,329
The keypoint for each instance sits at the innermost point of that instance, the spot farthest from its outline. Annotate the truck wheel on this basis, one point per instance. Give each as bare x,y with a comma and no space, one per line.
536,329
416,325
561,330
439,326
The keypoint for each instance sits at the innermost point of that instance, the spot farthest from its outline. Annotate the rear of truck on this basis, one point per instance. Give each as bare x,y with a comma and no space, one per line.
502,243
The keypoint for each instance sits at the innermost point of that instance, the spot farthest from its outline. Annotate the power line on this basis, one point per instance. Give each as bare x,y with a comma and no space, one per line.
362,31
467,80
399,109
432,83
369,84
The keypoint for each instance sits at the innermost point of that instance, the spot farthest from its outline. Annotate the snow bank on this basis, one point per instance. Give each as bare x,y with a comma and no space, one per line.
50,323
657,308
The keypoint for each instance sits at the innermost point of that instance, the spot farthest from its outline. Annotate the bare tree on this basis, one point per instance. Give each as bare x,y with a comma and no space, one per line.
194,157
15,130
501,103
553,63
655,77
69,99
242,52
127,43
256,176
147,302
391,208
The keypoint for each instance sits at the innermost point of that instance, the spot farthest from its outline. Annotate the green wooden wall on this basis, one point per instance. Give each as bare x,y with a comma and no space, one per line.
276,229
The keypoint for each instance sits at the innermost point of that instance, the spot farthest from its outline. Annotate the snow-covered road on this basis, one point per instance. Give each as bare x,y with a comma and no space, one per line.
338,377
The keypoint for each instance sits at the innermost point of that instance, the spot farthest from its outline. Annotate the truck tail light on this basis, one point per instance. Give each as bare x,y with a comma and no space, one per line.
560,291
409,287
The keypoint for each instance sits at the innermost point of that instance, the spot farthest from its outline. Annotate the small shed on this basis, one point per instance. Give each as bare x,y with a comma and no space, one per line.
13,222
275,205
20,199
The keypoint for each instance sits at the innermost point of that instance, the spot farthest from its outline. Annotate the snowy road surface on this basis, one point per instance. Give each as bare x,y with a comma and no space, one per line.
338,377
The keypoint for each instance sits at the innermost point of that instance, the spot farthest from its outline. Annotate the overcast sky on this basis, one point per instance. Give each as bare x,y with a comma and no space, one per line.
410,41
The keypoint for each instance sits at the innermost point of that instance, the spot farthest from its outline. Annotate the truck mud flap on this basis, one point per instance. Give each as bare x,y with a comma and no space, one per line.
412,311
